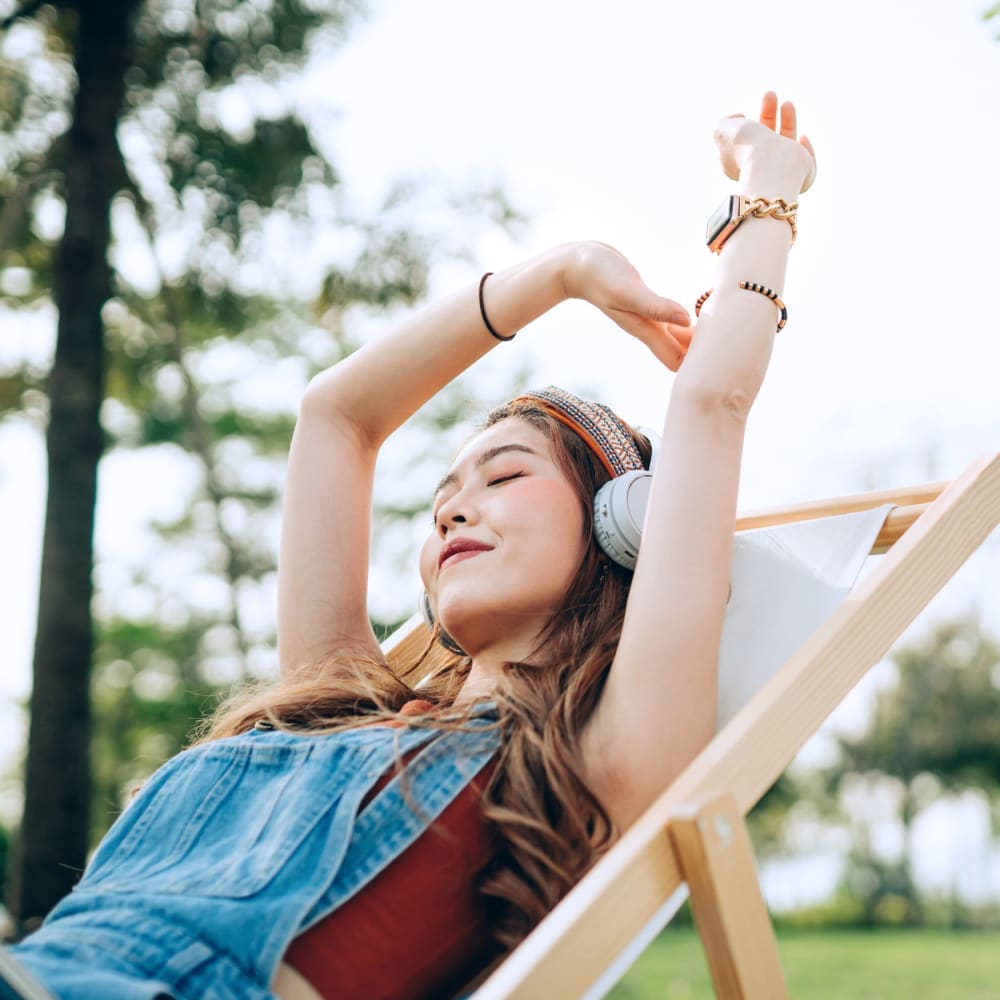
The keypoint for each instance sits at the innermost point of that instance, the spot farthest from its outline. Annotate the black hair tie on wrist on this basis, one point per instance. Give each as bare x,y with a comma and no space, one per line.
482,310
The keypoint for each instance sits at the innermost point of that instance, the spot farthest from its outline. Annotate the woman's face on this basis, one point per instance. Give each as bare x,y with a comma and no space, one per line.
507,540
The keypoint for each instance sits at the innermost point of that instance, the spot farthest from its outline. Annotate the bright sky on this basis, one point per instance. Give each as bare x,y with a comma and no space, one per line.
598,119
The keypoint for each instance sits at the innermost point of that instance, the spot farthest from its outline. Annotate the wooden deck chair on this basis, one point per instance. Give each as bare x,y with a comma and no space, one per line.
692,840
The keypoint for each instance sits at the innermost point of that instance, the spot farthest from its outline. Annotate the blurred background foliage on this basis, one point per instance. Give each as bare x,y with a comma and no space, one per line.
932,738
240,267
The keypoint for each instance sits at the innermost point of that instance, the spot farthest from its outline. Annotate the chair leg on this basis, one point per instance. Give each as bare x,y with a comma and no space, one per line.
717,862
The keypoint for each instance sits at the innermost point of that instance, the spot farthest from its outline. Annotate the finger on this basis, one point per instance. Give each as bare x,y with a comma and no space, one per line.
804,141
788,120
667,351
664,347
668,311
645,303
682,334
769,110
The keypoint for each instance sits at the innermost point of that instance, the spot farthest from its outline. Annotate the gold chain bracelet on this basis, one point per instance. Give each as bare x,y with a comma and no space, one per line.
777,208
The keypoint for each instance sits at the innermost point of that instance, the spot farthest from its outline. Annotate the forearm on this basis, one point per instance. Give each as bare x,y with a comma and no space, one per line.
732,345
379,386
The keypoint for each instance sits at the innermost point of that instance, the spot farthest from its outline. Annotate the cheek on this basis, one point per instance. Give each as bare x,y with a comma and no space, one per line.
428,557
552,511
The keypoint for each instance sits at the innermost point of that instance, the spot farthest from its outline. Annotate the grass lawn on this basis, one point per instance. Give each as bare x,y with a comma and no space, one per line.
875,965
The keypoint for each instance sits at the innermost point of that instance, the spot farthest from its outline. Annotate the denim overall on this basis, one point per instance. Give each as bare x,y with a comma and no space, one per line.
234,848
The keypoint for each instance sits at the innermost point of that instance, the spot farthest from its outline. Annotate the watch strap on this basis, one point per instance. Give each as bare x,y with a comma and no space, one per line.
743,207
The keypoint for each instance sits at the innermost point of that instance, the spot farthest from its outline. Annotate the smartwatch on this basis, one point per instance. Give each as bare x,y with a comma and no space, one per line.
725,220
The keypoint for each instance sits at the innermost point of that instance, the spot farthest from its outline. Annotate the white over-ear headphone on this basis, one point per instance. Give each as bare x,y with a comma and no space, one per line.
620,509
442,637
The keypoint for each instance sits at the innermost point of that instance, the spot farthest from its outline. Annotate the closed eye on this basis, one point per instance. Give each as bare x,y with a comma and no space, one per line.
498,481
504,479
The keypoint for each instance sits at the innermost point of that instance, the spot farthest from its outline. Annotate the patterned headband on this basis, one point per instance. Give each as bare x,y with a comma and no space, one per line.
601,430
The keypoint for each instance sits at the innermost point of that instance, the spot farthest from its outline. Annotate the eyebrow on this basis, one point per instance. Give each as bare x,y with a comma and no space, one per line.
487,456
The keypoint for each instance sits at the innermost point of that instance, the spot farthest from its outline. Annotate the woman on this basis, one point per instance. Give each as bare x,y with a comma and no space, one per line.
284,854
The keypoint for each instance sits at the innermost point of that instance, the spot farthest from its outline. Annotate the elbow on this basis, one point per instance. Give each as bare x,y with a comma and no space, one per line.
322,396
328,401
727,401
735,403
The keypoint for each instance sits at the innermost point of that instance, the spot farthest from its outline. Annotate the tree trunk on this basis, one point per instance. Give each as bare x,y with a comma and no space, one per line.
915,908
53,839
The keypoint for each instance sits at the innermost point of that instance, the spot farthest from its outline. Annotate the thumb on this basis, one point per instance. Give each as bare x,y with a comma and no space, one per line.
729,134
663,310
682,334
811,176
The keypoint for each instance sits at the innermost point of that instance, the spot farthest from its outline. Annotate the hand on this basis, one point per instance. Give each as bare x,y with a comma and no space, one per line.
743,142
602,276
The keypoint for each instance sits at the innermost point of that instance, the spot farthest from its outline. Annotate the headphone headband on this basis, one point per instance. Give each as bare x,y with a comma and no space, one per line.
599,427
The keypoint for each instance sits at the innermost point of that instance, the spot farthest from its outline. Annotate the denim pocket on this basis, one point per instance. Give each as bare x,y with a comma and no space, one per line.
222,819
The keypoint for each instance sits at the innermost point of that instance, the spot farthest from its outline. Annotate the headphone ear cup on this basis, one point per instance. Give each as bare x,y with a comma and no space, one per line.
619,513
425,609
431,622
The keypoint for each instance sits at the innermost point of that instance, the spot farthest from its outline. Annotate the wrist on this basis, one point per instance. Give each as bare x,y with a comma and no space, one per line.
516,296
582,265
773,178
570,261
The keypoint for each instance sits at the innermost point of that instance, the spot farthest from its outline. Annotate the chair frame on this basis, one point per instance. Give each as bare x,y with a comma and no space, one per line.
693,837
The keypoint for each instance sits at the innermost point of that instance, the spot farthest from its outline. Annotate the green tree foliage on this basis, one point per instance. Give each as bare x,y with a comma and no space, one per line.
239,266
767,822
57,777
4,851
942,718
936,730
991,12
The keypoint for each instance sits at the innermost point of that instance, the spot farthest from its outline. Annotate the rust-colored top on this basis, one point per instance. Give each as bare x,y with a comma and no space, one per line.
418,930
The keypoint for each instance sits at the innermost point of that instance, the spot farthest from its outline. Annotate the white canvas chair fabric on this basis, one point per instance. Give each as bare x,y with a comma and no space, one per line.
786,581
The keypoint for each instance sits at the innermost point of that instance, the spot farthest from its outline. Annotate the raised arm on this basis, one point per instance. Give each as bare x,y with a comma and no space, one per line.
658,706
349,410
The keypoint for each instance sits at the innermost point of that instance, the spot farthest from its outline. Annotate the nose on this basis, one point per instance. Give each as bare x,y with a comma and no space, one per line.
454,511
445,523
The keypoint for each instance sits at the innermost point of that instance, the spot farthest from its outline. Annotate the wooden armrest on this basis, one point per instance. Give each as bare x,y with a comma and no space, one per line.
907,496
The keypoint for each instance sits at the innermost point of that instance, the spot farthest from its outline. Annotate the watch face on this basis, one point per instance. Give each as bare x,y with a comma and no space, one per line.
719,219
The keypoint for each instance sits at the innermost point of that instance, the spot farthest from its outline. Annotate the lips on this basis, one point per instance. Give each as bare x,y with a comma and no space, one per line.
459,547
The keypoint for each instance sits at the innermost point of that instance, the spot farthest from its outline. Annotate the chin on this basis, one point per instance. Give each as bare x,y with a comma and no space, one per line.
477,627
468,630
472,623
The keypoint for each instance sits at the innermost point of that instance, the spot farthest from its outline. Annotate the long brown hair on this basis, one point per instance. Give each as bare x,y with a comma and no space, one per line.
548,825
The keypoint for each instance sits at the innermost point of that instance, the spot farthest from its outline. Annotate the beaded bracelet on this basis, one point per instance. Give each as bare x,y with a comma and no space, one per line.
482,311
751,286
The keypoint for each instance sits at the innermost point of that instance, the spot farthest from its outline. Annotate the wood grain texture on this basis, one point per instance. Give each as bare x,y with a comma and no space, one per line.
903,497
899,520
717,860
